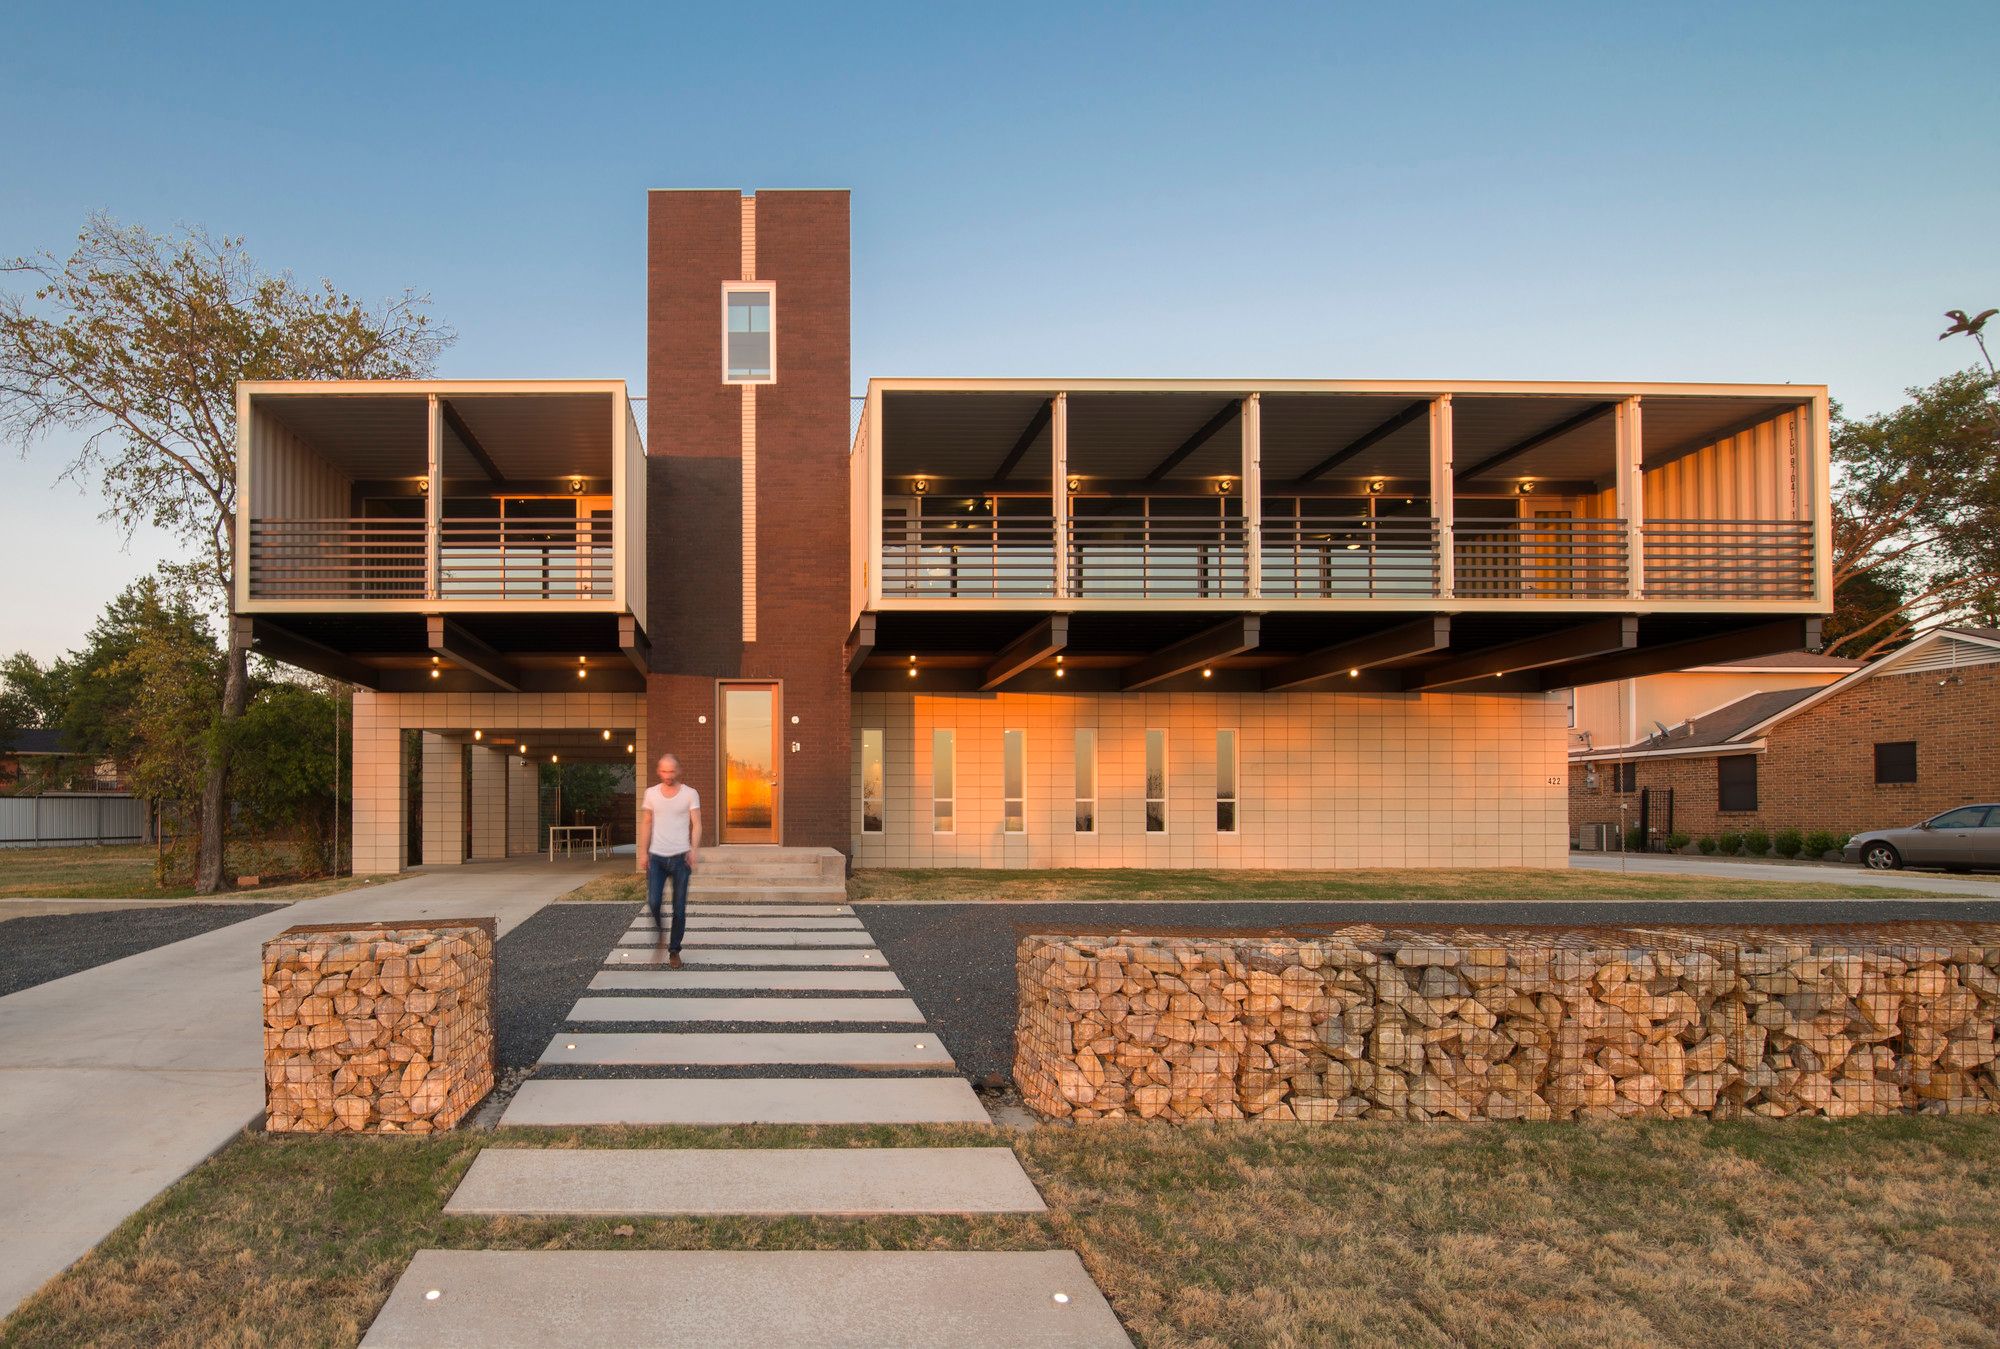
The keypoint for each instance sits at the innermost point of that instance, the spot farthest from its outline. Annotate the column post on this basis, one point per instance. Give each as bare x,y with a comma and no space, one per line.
1252,480
1441,493
434,498
1629,441
1059,490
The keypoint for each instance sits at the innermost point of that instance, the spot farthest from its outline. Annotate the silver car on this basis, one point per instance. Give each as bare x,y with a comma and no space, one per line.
1966,836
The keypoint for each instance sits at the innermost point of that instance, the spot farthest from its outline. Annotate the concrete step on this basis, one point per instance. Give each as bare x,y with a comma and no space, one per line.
747,1009
746,1100
708,921
701,936
746,1300
769,958
757,892
775,910
750,1049
787,981
851,1181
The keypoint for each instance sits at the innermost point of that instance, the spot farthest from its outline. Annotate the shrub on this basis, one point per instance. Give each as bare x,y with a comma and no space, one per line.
1819,843
1707,845
1635,839
1788,842
1756,842
1677,840
1731,843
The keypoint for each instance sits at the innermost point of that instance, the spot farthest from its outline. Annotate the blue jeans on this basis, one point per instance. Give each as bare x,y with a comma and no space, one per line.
659,869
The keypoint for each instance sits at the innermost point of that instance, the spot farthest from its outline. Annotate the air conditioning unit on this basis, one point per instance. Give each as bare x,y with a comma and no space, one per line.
1599,838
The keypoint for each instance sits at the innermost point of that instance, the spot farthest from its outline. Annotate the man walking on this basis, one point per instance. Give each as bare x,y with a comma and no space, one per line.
672,828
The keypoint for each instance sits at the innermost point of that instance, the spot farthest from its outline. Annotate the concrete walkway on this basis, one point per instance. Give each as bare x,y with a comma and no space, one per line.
115,1081
1919,883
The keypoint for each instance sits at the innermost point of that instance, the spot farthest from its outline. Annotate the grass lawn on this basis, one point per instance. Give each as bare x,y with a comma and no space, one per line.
1873,1231
125,871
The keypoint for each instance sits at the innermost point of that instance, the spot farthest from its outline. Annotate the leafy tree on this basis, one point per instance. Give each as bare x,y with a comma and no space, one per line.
1916,506
282,767
177,679
136,341
587,788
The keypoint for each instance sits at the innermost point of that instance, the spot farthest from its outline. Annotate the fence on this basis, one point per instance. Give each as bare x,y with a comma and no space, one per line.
73,818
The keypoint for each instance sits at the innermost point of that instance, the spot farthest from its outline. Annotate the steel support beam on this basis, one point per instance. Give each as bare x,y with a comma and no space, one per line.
1765,639
632,641
1204,648
1331,666
1381,433
1597,638
1194,442
461,648
284,645
860,643
470,441
1536,441
1036,425
1028,650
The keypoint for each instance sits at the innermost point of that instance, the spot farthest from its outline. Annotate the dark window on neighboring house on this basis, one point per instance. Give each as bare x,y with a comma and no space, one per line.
1895,761
1625,777
1736,782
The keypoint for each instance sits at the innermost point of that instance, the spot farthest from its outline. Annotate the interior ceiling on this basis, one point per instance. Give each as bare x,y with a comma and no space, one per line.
528,435
1127,435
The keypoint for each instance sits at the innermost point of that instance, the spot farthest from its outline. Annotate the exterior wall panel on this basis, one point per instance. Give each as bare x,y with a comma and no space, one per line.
1324,780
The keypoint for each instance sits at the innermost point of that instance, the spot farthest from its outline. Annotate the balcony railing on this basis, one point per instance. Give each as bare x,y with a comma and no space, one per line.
1313,556
1547,558
1136,549
486,559
1729,559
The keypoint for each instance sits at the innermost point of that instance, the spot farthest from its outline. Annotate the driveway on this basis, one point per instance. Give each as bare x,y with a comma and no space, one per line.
116,1081
1920,882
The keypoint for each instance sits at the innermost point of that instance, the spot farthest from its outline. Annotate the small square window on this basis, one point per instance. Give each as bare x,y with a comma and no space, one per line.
1736,782
1625,777
749,349
1895,762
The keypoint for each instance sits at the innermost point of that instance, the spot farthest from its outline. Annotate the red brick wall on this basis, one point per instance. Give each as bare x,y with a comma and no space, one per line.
694,420
1819,771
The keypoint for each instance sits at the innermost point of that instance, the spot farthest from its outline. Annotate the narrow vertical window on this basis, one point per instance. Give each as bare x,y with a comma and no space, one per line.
1156,782
1225,782
1086,780
871,781
749,347
1013,782
944,783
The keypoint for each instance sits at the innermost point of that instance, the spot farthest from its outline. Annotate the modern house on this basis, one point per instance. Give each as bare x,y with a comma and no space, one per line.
1005,622
1890,743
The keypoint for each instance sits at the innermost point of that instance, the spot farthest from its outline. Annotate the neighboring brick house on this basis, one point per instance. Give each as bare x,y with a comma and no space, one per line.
1895,742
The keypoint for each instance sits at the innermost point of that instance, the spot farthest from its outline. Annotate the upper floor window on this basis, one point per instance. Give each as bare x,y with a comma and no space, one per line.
749,347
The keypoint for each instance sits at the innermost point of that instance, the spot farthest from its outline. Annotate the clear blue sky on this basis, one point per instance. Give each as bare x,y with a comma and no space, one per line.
1734,192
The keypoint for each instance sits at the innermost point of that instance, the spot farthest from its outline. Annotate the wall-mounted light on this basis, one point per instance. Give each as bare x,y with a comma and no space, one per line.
795,718
424,485
607,735
436,674
1525,486
919,486
1377,487
1224,486
576,486
628,749
479,735
1354,674
1075,484
1207,673
555,758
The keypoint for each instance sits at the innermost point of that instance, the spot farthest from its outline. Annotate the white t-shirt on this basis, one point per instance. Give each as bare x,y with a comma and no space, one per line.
670,818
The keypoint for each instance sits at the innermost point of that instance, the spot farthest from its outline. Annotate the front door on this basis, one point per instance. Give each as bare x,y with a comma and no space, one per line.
752,796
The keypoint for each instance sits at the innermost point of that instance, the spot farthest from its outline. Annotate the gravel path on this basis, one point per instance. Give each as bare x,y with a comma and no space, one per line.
543,966
957,960
36,950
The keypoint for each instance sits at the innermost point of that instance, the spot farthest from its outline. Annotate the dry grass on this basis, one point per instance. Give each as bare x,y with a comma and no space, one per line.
1860,1232
1083,885
125,871
622,887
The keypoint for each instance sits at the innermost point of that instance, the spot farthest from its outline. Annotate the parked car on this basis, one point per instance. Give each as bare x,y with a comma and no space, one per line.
1965,836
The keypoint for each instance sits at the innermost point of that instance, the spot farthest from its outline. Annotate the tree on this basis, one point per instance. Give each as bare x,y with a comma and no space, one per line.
136,341
1916,514
282,773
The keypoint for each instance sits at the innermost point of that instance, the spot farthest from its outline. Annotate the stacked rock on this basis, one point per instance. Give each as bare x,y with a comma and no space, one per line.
1363,1025
382,1029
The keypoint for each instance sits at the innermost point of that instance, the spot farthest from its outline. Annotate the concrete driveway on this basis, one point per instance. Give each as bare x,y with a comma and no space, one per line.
1825,873
115,1081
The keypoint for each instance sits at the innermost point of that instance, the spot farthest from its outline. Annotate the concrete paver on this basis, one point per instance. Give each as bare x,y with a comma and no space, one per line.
771,910
747,1009
845,1049
752,1299
656,954
115,1081
850,1181
729,922
747,1100
698,936
786,981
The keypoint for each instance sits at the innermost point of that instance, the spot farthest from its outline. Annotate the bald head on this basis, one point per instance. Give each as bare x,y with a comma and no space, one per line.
669,769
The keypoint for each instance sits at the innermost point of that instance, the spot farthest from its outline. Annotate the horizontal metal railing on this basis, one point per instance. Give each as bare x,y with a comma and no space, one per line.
336,559
1550,558
366,559
1728,559
1312,556
1130,556
979,557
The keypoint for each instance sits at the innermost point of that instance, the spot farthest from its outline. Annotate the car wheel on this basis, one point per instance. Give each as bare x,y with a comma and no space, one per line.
1881,857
